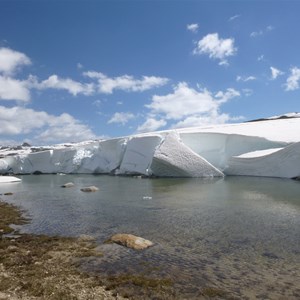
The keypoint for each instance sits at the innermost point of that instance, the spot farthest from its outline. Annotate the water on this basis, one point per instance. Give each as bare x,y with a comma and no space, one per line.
240,235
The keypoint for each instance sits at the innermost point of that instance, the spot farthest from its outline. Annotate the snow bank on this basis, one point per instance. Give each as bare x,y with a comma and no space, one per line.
8,179
284,163
262,148
217,148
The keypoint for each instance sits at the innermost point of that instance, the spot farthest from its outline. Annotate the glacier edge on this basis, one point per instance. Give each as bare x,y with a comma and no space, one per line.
269,148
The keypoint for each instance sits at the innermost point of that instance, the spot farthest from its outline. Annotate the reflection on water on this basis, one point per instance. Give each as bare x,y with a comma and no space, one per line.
237,234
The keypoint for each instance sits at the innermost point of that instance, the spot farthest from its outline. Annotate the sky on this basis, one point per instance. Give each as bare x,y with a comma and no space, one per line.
74,70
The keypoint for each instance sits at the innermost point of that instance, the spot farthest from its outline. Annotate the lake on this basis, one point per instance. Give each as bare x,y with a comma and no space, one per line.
238,235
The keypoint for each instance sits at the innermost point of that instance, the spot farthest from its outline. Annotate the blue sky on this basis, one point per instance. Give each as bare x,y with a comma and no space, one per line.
78,70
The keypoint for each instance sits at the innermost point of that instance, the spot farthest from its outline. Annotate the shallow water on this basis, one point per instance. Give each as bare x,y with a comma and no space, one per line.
240,235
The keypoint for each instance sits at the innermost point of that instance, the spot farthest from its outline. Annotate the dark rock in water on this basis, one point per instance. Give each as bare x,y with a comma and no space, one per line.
131,241
297,178
26,145
90,189
37,173
17,148
8,194
270,255
68,185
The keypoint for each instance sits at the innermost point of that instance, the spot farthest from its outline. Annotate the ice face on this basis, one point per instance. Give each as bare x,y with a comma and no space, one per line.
266,148
285,163
174,159
139,154
217,148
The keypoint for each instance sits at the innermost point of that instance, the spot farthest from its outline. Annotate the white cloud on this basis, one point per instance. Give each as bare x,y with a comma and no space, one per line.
194,121
127,83
192,27
73,87
292,82
234,17
65,128
261,58
185,101
245,79
275,73
11,60
121,117
216,47
187,106
261,32
151,124
256,33
79,66
223,97
247,92
182,102
13,89
46,128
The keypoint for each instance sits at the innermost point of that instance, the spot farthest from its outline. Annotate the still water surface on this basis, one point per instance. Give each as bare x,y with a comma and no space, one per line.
240,235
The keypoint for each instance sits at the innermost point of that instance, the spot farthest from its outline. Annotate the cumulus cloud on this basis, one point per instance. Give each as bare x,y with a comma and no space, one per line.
188,107
126,83
73,87
185,101
245,78
275,73
65,128
216,48
192,27
292,82
223,97
151,124
121,117
13,89
45,127
11,61
194,121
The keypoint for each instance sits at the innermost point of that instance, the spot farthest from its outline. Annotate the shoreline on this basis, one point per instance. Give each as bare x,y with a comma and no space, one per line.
43,267
40,267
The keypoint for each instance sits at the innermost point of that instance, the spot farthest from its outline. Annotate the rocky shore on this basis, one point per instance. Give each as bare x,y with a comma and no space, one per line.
42,267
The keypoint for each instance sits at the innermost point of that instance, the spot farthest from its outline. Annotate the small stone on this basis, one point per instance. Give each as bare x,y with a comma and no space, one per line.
90,189
68,185
131,241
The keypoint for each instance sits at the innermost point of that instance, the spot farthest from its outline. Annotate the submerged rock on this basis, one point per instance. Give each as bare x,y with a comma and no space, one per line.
68,185
131,241
90,189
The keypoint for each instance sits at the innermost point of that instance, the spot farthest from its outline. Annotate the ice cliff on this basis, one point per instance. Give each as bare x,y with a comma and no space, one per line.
269,147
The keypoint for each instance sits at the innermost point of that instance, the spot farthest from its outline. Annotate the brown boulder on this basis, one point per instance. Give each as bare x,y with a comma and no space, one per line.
90,189
68,185
131,241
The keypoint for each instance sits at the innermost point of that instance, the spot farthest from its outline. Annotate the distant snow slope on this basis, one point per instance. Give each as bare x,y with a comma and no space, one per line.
269,147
